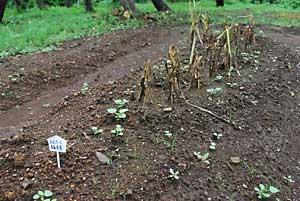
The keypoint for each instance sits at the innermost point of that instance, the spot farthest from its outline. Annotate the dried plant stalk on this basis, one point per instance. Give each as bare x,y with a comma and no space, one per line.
195,32
145,82
173,73
197,71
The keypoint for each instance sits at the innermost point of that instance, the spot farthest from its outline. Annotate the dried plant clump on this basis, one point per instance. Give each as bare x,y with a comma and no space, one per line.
218,52
213,53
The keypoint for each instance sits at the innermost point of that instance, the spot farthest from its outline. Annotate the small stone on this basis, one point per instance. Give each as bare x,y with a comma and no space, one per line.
30,175
102,157
26,183
235,160
129,192
168,109
19,160
10,195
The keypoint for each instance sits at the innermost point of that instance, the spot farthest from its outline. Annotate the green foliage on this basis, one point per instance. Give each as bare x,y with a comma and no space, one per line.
118,131
121,102
264,191
85,88
119,112
14,77
44,196
213,146
291,3
214,91
217,135
96,130
168,134
202,157
36,30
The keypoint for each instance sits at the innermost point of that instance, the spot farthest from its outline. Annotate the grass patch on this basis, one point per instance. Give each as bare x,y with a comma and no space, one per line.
35,30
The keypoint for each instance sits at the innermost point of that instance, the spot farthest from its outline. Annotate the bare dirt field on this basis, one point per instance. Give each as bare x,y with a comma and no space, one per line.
41,97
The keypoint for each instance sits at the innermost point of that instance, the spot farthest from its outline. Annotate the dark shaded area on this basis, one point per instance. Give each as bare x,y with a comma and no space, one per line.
41,4
2,9
219,3
88,5
68,3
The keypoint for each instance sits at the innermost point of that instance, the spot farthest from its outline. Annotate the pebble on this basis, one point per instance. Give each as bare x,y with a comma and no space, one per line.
235,160
26,183
102,157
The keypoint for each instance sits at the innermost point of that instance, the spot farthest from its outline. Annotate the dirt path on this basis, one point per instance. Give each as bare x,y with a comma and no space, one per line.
97,59
289,37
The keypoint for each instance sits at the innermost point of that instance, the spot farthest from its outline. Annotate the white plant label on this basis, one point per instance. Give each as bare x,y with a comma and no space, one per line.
57,144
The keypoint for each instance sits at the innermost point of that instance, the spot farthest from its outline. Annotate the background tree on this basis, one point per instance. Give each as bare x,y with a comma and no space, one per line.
130,6
68,3
41,4
2,9
88,6
220,3
160,5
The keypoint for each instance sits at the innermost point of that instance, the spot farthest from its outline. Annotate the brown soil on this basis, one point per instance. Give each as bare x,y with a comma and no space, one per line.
263,102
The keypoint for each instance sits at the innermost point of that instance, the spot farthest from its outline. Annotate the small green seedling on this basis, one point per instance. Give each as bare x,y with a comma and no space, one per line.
119,114
217,135
118,131
214,91
203,157
85,88
219,77
46,105
44,196
170,143
121,102
232,85
265,191
289,179
96,130
174,174
213,146
168,134
14,77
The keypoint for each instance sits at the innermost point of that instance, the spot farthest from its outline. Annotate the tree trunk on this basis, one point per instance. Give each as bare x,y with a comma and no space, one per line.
41,4
160,5
68,3
2,9
88,6
220,3
130,6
